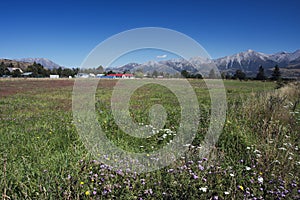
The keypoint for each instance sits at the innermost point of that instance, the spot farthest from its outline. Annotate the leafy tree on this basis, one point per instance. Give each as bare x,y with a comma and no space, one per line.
185,74
59,71
261,74
139,73
16,73
276,75
198,76
239,74
3,70
154,74
38,70
67,72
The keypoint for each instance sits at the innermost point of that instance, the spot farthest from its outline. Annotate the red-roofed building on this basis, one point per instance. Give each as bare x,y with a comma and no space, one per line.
120,75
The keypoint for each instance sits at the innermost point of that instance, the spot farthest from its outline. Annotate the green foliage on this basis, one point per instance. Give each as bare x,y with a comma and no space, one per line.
261,74
38,70
239,74
16,73
184,73
155,74
276,75
3,70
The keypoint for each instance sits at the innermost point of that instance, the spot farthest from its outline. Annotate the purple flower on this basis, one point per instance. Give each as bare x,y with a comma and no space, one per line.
94,192
195,176
148,191
201,167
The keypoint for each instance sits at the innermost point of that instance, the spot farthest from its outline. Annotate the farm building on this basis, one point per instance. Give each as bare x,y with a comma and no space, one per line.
11,69
120,76
54,76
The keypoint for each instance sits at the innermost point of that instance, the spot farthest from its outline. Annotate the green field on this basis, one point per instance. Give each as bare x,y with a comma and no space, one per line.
256,157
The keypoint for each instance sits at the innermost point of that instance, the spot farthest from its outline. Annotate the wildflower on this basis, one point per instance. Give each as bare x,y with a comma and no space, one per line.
241,187
226,193
231,174
248,168
277,161
203,189
201,167
257,151
87,193
195,176
282,148
81,183
260,179
148,191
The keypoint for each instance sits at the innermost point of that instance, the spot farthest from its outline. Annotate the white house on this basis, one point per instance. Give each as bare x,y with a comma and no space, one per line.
54,76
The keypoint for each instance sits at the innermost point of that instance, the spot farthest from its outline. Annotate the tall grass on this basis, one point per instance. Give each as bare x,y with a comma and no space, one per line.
256,157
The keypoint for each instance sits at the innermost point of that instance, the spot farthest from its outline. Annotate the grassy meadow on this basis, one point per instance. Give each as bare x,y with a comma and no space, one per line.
256,157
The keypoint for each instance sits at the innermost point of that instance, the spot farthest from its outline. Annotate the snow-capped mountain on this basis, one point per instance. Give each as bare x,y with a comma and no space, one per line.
248,61
43,61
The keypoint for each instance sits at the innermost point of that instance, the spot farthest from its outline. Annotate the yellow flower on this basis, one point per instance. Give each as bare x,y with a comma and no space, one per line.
241,187
260,173
81,183
87,193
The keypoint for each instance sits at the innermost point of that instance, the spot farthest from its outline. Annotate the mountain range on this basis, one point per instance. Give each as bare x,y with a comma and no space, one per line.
43,61
248,61
23,63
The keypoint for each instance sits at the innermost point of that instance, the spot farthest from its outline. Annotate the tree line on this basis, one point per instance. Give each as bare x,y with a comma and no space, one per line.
240,75
36,70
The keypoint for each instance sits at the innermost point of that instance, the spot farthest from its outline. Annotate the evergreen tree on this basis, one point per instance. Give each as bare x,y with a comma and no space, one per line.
154,74
261,74
212,74
276,75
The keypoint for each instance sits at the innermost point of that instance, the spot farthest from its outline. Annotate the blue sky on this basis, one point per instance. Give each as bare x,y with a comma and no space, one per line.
66,31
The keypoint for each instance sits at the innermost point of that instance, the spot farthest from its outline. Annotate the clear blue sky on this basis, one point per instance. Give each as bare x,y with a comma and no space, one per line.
66,31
